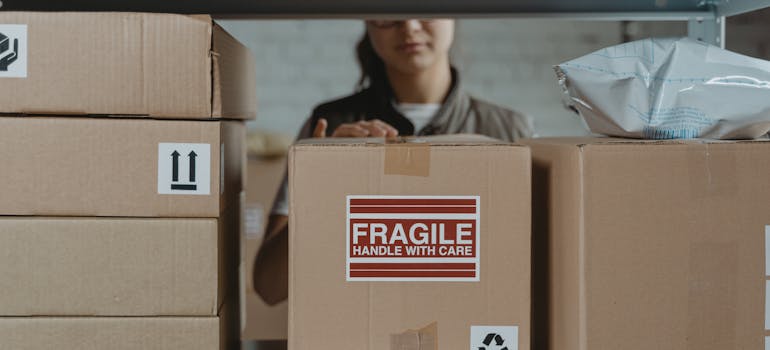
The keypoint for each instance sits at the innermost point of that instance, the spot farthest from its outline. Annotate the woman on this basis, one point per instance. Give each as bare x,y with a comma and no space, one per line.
407,87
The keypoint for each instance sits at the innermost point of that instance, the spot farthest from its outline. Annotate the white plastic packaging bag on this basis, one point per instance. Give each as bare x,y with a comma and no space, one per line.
669,88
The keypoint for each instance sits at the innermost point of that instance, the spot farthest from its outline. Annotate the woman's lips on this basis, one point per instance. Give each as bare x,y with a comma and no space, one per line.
411,47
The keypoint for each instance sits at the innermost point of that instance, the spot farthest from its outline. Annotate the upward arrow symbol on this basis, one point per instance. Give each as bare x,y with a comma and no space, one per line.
192,156
175,166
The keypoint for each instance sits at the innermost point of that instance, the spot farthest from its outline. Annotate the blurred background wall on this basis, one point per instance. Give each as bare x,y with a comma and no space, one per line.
508,61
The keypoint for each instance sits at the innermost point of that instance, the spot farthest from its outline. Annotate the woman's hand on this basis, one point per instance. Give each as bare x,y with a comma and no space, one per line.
364,128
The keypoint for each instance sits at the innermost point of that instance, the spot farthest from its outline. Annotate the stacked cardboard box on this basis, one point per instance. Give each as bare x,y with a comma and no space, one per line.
122,147
651,244
416,245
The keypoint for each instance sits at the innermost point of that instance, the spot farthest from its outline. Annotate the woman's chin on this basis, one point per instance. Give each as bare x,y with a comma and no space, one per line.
415,64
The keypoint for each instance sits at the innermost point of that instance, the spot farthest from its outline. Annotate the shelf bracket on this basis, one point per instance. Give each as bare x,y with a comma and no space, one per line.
708,30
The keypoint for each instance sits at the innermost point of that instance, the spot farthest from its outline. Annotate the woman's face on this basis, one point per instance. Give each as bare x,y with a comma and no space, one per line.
412,46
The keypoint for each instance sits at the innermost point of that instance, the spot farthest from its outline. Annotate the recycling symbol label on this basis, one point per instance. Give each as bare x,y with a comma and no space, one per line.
494,338
13,50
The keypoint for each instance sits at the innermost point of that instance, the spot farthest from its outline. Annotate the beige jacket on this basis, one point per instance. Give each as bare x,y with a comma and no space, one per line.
459,113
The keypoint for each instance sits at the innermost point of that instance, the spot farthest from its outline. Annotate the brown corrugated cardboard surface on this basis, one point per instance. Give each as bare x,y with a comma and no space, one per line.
109,166
115,333
229,258
162,65
261,321
109,267
650,245
233,68
328,312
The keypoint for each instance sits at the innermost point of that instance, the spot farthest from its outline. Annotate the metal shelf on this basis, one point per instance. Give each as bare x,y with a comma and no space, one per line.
335,8
705,17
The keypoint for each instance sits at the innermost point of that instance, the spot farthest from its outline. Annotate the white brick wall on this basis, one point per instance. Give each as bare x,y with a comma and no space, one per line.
508,61
299,63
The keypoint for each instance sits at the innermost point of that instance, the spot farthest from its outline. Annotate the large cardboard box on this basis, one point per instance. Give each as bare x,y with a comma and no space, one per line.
139,64
416,245
260,321
651,244
119,167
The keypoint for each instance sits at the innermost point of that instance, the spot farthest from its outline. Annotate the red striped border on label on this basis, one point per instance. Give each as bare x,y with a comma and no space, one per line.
413,270
412,274
412,201
420,209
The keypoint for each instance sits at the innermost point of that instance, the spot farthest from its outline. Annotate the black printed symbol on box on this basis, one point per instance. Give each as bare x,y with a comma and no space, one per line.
493,339
6,58
175,185
184,168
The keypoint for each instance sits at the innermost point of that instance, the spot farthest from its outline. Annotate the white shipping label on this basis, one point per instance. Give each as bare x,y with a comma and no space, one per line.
253,220
413,238
13,50
494,338
184,168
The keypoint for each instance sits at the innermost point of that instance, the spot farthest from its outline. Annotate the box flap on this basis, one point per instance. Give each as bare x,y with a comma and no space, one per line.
233,74
557,228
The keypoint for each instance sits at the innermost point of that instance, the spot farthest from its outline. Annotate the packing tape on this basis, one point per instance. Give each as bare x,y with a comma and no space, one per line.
407,158
711,171
711,297
425,338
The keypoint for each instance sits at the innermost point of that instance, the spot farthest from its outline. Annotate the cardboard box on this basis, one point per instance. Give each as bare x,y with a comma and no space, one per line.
650,244
114,266
140,64
455,274
260,321
115,333
119,167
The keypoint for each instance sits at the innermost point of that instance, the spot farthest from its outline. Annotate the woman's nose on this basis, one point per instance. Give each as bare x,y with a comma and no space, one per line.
412,25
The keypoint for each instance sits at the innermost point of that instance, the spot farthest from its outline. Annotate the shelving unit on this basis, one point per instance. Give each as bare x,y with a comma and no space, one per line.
706,18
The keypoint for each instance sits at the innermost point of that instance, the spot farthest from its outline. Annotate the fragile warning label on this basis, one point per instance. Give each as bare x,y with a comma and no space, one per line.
412,238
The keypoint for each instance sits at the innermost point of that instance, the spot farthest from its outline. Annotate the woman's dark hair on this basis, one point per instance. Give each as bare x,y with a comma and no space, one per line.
371,65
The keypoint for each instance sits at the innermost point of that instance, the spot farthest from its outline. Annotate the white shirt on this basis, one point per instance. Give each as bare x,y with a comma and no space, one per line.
420,114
